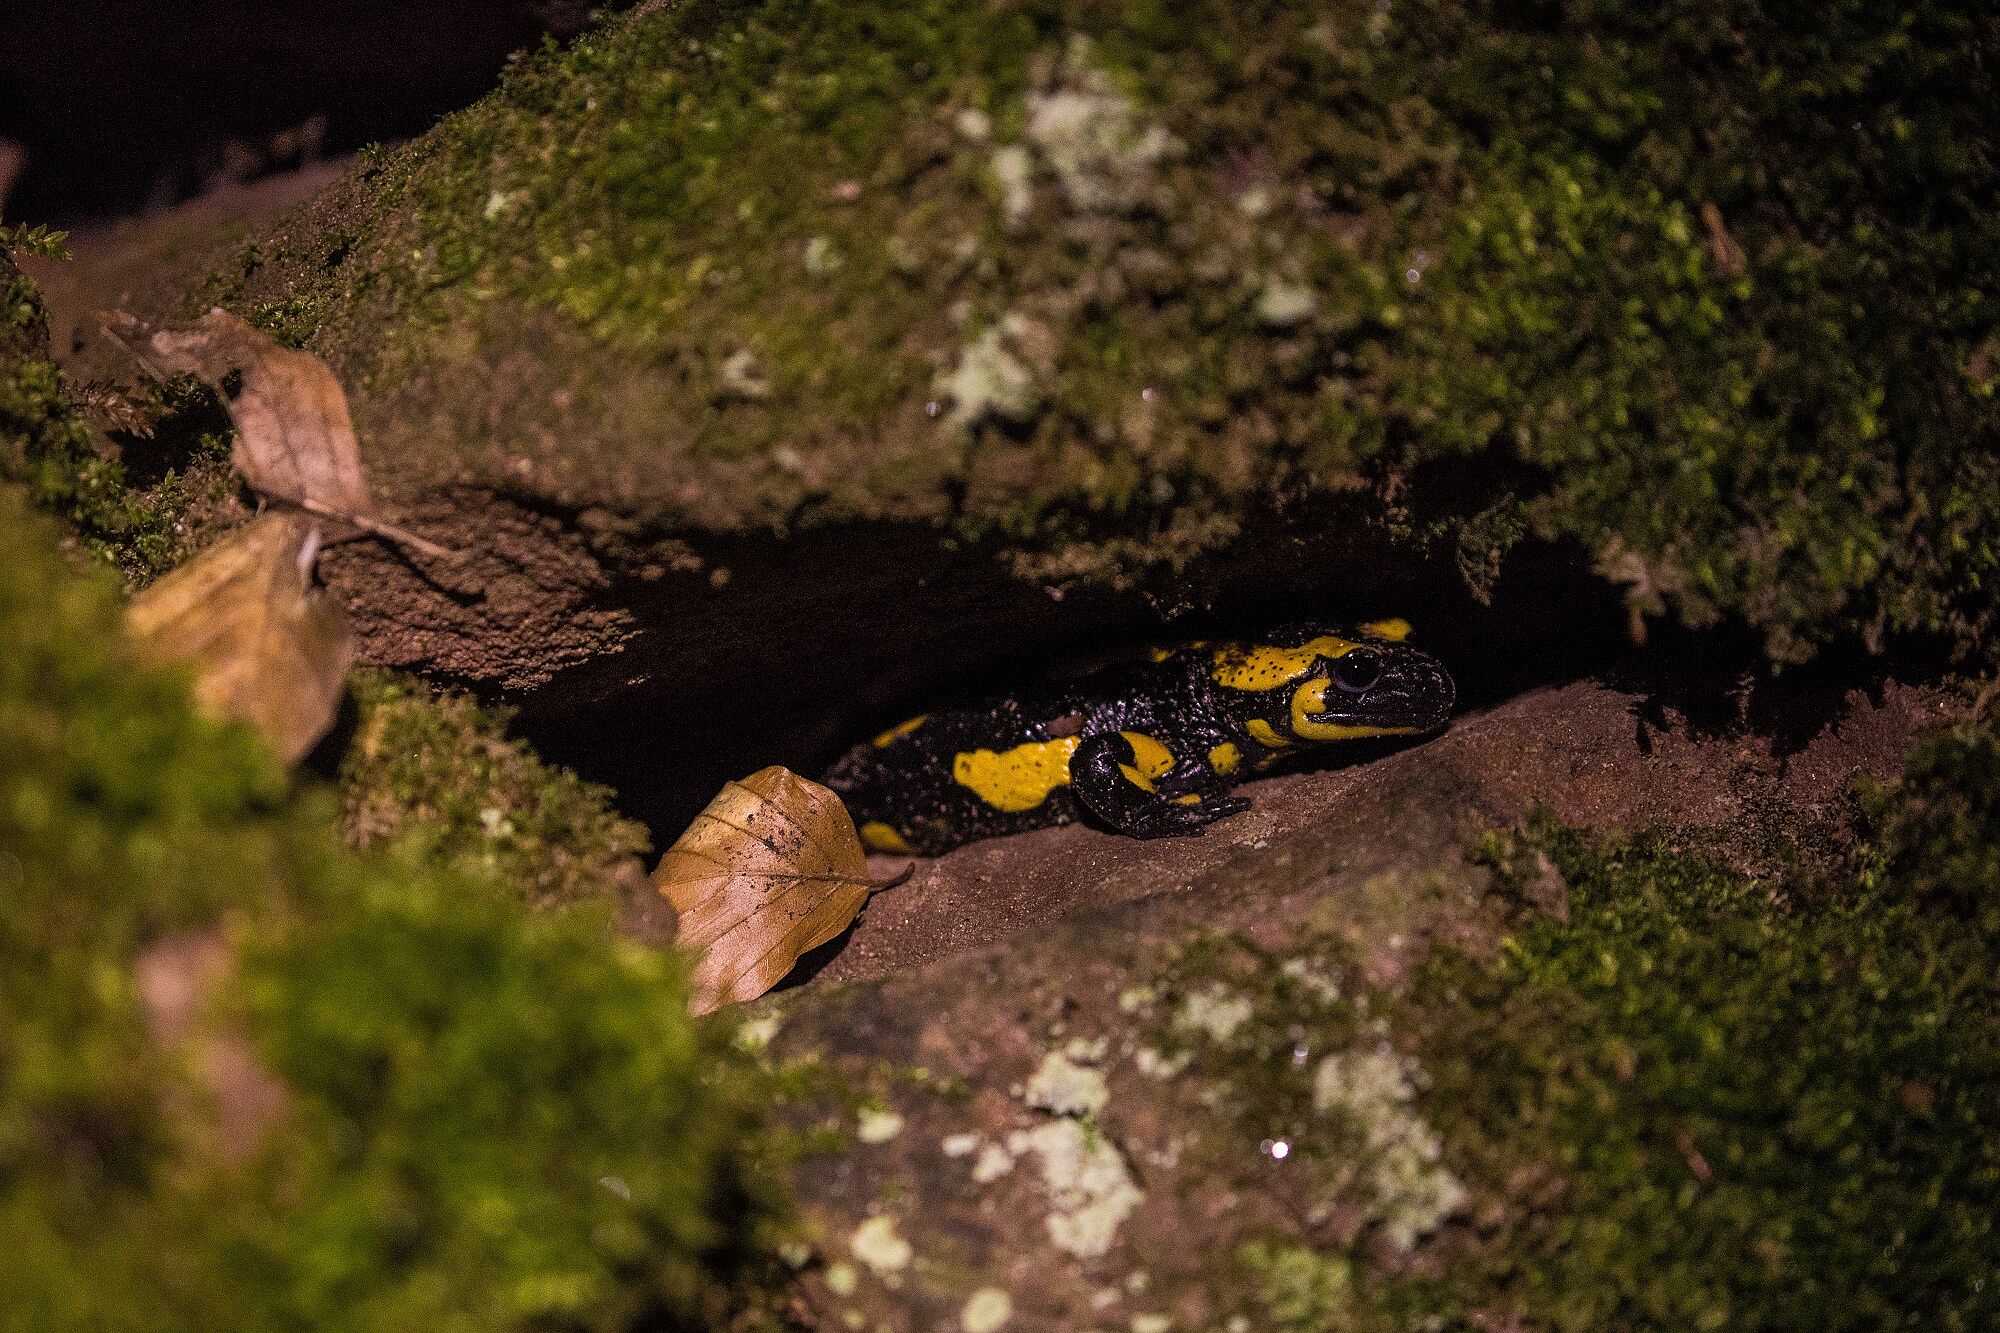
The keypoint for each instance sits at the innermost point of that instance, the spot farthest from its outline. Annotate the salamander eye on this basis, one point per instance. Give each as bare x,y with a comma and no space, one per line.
1356,672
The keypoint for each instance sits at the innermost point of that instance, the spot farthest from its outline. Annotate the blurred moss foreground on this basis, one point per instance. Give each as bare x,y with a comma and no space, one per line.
250,1080
1707,287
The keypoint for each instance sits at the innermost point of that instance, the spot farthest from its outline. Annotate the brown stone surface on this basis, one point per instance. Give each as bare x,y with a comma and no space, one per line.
1583,750
950,998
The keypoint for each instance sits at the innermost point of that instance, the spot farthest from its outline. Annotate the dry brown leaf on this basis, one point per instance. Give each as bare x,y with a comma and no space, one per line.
267,648
771,869
294,436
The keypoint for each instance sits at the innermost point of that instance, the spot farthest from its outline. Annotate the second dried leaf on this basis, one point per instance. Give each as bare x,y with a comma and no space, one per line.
266,647
771,869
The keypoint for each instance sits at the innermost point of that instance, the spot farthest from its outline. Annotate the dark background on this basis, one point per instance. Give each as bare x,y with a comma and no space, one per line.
128,104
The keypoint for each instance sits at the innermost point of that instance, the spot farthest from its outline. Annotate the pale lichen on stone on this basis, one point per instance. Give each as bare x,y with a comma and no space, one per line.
821,256
1090,1190
1214,1011
994,1162
991,379
1013,171
1137,999
742,377
1093,137
1086,1050
878,1125
754,1034
1315,976
1399,1157
1153,1064
986,1310
1063,1087
1282,305
878,1244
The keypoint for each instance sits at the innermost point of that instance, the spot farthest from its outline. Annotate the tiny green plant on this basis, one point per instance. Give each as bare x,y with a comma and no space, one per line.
37,242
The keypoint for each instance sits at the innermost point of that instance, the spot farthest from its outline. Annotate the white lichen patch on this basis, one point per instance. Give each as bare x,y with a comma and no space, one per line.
820,256
1090,1190
1314,976
742,377
1093,138
878,1244
991,379
986,1310
1014,173
1136,999
878,1125
1151,1323
959,1145
1399,1159
1214,1011
754,1034
1086,1050
974,124
1153,1064
1063,1087
1282,305
841,1279
994,1162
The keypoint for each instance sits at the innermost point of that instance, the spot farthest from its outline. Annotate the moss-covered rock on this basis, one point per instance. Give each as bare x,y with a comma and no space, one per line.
248,1078
435,769
144,526
1715,1101
1705,288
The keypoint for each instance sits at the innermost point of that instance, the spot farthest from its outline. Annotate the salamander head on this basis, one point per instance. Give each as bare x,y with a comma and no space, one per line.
1313,684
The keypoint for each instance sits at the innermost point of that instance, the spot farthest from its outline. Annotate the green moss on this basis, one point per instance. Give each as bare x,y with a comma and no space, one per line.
485,1118
1936,830
1695,1096
1299,1289
46,446
1708,1101
1745,355
436,769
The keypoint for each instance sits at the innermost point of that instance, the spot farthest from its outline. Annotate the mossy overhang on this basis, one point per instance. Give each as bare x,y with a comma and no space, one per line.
1110,289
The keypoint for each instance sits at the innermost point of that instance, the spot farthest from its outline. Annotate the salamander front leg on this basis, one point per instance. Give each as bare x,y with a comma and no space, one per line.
1106,775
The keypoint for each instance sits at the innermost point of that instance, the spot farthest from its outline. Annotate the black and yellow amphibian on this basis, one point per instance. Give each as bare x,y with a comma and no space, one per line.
1149,751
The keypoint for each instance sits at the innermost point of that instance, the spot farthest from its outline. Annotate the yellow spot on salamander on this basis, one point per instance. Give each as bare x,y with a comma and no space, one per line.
1017,779
1395,630
1310,699
1150,760
1264,667
902,729
1225,758
1192,798
1260,731
882,838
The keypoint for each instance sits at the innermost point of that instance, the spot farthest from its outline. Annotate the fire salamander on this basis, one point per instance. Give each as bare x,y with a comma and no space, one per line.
1151,752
